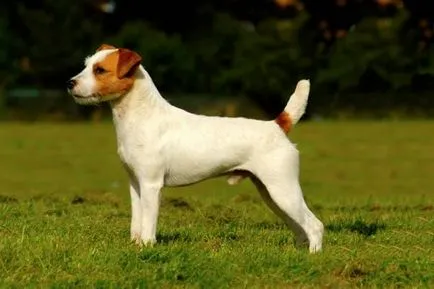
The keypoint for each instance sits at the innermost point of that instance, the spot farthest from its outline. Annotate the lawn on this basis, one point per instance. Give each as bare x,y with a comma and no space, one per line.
64,214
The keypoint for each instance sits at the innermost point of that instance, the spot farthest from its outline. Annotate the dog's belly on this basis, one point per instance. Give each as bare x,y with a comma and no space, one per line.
191,172
178,180
188,168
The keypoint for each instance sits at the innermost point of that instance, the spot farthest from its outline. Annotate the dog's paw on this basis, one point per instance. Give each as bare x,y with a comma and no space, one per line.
149,242
135,238
315,248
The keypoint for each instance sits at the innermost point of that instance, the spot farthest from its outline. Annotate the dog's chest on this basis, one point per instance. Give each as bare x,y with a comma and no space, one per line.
129,150
136,151
123,154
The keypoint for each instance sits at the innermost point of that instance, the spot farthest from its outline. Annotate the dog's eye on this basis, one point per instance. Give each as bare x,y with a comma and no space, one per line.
99,70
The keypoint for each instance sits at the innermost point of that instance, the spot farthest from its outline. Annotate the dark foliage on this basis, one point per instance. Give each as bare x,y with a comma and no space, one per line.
360,57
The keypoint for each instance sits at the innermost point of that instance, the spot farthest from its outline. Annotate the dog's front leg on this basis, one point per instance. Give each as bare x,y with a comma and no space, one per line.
150,203
136,211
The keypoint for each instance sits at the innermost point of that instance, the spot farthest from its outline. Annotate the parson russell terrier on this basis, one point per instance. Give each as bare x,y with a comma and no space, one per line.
162,145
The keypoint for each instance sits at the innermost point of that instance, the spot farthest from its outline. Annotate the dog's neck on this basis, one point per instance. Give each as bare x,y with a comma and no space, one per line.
142,98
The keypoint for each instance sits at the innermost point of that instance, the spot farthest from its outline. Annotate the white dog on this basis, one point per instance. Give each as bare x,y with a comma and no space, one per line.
162,145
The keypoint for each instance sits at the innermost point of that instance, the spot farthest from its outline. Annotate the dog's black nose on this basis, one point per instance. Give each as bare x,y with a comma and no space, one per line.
70,84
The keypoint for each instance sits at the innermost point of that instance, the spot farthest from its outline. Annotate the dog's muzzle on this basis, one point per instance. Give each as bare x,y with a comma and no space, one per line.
70,84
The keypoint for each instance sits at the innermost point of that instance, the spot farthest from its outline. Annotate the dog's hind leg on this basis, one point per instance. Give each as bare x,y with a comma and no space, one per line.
279,187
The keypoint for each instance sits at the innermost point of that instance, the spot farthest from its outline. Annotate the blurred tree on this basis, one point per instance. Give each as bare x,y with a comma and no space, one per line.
55,37
371,59
8,43
169,62
334,18
8,73
268,62
214,53
374,48
255,48
188,16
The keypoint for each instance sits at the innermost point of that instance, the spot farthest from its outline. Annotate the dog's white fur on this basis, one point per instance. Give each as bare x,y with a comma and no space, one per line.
162,145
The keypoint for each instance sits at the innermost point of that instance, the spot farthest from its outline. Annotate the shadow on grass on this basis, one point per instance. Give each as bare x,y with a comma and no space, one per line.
56,212
270,226
171,237
155,256
222,215
7,200
97,198
78,200
187,236
176,203
358,226
375,207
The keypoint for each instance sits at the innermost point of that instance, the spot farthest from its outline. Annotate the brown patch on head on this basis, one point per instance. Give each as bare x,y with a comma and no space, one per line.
105,46
284,121
115,74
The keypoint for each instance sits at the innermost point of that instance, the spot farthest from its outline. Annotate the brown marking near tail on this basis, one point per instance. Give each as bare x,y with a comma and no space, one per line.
284,121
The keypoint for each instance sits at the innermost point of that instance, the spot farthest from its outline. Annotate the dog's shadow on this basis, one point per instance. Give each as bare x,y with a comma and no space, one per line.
366,229
173,237
359,226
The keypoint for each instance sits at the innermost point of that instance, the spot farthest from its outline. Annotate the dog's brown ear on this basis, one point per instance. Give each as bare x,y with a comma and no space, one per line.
127,63
105,46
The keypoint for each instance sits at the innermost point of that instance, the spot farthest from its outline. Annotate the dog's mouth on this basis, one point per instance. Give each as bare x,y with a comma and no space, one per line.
78,96
73,93
86,100
92,99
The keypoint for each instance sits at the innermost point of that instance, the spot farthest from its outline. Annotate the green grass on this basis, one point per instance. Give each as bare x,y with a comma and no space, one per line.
64,214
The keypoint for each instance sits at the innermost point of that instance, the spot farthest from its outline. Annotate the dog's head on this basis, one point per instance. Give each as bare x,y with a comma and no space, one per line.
108,74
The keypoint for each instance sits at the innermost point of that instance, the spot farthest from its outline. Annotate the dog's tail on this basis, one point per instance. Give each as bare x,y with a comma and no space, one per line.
295,108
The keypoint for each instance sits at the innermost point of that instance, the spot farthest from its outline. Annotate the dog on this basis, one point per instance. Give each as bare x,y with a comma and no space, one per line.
162,145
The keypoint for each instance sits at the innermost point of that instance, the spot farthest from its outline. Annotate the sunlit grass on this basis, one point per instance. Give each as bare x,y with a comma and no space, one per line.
64,214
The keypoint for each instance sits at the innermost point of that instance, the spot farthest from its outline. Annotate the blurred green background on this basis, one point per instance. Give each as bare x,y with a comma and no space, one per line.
365,58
